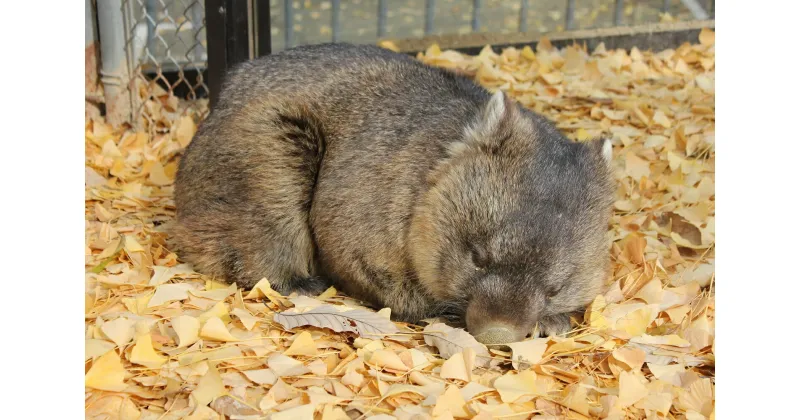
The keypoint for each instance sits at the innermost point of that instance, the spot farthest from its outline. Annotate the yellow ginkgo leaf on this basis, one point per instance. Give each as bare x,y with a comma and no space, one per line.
187,328
248,320
303,345
219,310
120,330
143,353
215,329
106,373
209,387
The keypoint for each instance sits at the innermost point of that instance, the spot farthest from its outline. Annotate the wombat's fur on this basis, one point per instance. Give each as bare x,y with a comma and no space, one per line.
405,185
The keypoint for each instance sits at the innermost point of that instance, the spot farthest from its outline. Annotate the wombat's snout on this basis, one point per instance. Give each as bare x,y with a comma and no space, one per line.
497,333
497,324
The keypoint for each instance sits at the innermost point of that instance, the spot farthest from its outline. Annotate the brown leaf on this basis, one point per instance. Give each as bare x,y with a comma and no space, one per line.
361,322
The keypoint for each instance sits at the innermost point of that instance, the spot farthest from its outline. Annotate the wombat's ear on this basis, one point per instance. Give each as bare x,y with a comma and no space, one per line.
497,109
494,112
603,147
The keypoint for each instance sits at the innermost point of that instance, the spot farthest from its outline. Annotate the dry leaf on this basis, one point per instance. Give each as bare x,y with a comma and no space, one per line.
261,376
120,331
157,175
215,329
303,345
512,386
144,354
451,402
303,412
106,373
636,167
451,340
167,293
456,368
286,366
529,351
185,131
361,322
631,389
95,348
670,374
187,328
209,387
248,320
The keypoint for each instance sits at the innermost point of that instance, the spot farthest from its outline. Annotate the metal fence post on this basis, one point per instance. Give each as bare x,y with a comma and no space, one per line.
114,72
476,15
523,16
430,9
569,18
230,36
336,12
93,97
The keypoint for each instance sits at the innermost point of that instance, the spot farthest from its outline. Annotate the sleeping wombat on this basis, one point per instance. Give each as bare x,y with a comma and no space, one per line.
403,185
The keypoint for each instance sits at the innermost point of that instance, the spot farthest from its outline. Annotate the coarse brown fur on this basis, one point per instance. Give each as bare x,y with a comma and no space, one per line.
401,184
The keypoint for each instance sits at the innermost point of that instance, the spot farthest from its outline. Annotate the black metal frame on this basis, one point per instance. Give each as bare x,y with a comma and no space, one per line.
231,27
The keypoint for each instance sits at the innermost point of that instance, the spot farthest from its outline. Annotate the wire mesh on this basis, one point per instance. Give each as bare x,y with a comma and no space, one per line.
165,40
167,55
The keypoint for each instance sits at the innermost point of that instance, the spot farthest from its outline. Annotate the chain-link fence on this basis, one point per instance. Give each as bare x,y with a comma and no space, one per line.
154,54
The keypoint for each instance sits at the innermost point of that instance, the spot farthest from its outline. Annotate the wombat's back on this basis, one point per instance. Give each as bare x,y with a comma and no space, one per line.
300,137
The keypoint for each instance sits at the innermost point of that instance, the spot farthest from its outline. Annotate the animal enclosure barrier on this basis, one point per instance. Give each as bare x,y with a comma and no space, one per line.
176,52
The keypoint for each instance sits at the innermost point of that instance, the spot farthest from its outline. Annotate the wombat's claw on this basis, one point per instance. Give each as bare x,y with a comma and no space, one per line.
305,286
554,325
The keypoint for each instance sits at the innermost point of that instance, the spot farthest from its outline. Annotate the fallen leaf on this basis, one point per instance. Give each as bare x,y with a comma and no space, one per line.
106,373
451,340
706,37
361,322
208,388
636,167
387,359
215,329
157,175
164,274
144,354
577,399
530,351
698,396
631,389
185,131
94,348
512,386
187,328
455,368
303,412
248,320
303,345
167,293
668,373
286,366
451,402
261,376
120,330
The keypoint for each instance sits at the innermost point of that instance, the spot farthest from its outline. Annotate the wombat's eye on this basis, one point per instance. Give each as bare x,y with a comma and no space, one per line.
554,291
480,258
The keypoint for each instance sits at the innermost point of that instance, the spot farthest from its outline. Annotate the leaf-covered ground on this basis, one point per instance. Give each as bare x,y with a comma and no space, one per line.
164,342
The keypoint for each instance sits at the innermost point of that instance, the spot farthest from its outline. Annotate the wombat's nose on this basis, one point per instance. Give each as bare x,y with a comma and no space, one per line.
498,334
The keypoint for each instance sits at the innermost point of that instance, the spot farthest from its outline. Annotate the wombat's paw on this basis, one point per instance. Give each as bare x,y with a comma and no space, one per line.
306,286
554,325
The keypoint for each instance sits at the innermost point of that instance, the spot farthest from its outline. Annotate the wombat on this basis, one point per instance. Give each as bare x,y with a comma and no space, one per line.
403,185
